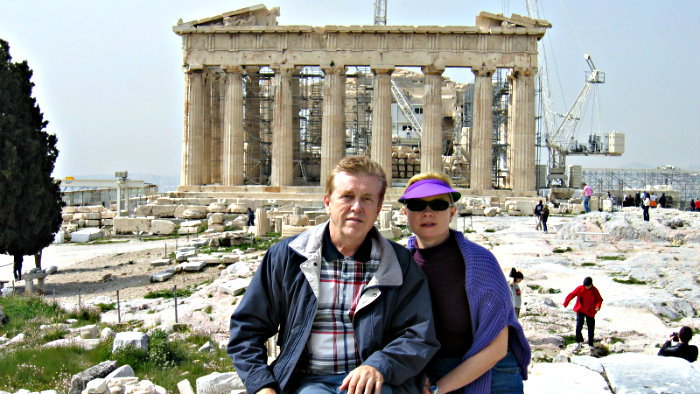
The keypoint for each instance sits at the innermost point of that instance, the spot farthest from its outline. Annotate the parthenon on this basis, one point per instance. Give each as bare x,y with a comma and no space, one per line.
250,123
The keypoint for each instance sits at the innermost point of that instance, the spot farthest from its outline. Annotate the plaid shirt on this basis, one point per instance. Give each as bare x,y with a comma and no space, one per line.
331,349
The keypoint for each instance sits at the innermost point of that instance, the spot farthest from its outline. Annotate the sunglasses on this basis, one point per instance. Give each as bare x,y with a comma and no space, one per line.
417,205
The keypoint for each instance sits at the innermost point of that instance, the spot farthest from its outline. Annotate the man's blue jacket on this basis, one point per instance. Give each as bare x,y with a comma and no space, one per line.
393,322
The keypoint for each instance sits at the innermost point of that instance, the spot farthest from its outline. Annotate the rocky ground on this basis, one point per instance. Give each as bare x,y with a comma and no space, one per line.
647,272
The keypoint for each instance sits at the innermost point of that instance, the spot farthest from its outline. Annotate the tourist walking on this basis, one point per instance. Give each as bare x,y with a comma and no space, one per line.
515,294
251,217
350,308
697,204
538,215
586,193
544,217
692,205
483,348
588,303
646,203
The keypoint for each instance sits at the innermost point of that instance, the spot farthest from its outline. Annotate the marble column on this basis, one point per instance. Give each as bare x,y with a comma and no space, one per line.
282,138
253,168
191,174
381,119
522,145
216,127
482,131
204,146
431,136
232,170
333,123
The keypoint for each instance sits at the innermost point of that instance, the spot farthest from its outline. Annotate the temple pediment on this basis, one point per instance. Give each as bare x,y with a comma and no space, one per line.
257,15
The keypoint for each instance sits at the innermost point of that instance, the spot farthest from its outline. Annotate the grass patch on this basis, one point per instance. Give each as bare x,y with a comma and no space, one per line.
35,368
26,314
104,241
618,257
631,281
533,287
490,230
569,339
561,250
165,293
160,237
106,307
588,265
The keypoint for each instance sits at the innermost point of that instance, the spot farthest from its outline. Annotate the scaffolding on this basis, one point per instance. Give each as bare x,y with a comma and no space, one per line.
686,182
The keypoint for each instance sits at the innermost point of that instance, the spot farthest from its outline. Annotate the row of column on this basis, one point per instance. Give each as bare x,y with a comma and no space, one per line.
208,156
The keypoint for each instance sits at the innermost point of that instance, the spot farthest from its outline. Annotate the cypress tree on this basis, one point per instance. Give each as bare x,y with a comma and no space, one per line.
30,199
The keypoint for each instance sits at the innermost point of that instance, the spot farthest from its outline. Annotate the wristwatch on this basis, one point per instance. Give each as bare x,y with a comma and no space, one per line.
434,389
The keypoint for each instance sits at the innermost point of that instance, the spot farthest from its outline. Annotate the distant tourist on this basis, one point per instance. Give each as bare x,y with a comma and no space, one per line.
637,199
544,217
251,217
586,193
654,200
646,203
692,205
662,200
538,215
697,204
515,294
588,303
682,348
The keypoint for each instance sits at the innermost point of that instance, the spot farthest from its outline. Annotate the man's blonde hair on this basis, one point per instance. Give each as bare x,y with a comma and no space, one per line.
357,165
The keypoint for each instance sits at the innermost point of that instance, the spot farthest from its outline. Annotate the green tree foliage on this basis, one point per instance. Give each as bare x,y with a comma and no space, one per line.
30,199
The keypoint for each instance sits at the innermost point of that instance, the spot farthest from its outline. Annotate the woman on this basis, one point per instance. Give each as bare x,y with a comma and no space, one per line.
483,349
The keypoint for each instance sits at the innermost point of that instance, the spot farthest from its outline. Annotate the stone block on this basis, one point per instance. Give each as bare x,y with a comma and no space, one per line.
108,214
138,339
161,276
144,210
217,383
491,211
79,216
89,331
93,223
86,235
107,222
661,374
80,380
230,258
163,211
216,218
162,227
217,207
184,387
160,262
126,225
69,210
93,216
96,386
183,254
125,371
194,212
556,378
193,266
298,220
66,216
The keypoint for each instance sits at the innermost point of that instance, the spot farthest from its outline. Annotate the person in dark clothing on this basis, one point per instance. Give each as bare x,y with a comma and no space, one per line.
637,199
692,205
251,217
538,215
588,303
682,349
17,267
544,217
662,200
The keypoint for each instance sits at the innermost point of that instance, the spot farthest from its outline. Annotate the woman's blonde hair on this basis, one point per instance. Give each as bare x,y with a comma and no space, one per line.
430,175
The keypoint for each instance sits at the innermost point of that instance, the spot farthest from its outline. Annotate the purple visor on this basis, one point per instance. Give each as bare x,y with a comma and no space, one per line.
427,188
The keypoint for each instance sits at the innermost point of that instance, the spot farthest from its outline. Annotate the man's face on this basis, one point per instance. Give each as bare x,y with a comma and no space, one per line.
353,206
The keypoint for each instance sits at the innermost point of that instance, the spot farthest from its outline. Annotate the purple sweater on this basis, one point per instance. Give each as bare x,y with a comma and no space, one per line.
490,307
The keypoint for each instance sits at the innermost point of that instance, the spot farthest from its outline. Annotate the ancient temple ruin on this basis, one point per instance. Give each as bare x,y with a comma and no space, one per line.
271,109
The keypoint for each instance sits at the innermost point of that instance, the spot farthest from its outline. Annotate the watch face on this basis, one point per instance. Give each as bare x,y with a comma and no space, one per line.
434,389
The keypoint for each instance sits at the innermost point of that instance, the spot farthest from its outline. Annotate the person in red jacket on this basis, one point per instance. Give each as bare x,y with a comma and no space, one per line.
587,305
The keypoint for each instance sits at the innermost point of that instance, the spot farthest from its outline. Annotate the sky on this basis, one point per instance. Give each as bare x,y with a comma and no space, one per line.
109,79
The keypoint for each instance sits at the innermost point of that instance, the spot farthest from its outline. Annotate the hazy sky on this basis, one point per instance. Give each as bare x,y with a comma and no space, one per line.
109,79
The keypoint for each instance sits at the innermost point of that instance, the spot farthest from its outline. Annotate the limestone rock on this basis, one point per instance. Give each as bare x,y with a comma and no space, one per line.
87,235
163,211
126,225
106,333
162,227
184,387
89,331
124,371
144,210
79,381
138,339
670,375
557,378
217,383
216,207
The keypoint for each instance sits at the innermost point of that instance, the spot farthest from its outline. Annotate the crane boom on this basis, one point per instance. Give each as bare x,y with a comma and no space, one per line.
380,12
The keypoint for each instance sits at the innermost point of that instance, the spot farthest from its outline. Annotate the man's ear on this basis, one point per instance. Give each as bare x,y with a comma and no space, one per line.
326,204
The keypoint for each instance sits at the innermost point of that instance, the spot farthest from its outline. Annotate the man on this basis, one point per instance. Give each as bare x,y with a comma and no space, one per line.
682,349
586,193
351,309
251,217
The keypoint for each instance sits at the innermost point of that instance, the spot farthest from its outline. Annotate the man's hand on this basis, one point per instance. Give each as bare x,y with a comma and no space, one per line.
267,390
363,379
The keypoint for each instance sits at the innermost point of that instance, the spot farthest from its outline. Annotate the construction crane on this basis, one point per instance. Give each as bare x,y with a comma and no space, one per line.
561,140
400,98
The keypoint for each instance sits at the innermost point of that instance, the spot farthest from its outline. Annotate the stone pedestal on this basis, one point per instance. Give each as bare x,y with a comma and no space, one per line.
381,119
